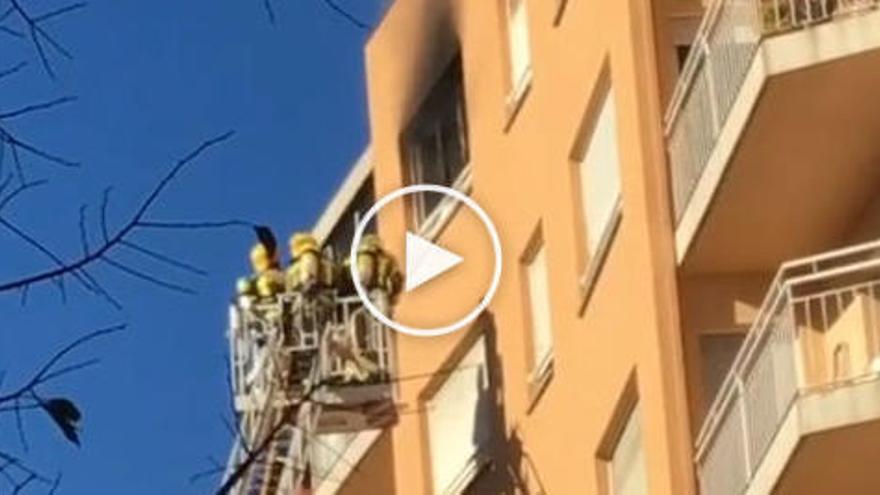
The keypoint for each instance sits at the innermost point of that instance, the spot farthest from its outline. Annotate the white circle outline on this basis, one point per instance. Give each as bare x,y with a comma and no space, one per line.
496,247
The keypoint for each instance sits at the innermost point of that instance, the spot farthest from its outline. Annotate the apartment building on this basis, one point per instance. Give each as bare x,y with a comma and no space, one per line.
547,114
688,198
674,183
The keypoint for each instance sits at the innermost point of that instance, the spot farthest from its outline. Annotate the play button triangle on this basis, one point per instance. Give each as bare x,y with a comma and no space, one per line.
426,260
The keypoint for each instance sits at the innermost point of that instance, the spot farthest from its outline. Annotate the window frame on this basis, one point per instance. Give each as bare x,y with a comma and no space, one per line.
481,456
560,10
591,262
518,83
633,419
540,367
427,122
628,403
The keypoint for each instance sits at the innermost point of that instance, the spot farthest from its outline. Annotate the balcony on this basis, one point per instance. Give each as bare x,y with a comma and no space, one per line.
776,101
803,392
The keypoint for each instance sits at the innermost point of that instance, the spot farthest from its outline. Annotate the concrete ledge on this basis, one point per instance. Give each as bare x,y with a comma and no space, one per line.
816,411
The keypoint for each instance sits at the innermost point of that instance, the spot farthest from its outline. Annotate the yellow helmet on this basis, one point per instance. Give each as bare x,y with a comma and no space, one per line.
261,259
370,243
301,243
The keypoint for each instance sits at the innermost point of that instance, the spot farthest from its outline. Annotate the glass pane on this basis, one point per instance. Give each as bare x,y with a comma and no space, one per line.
437,136
628,471
453,163
518,30
718,352
539,299
432,171
459,419
600,174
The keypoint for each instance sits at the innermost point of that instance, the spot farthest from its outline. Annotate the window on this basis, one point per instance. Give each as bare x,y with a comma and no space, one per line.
340,237
718,351
599,176
459,420
682,30
538,288
681,55
627,474
518,42
435,143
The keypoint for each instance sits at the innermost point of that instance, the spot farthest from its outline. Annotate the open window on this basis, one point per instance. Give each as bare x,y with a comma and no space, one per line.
435,143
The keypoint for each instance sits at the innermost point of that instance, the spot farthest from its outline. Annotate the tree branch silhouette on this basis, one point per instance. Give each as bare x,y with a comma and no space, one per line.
288,418
27,397
335,7
79,267
35,30
345,14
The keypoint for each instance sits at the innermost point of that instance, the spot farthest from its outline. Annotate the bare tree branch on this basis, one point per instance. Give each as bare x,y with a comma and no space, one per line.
270,12
348,16
48,372
147,277
38,107
164,258
63,412
195,225
37,33
12,70
17,475
136,221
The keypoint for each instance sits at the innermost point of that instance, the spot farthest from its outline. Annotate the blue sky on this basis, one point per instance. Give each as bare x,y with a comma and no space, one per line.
153,79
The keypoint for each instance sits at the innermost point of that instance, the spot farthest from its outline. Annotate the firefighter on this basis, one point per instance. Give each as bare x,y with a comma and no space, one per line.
267,280
309,270
381,279
261,287
376,268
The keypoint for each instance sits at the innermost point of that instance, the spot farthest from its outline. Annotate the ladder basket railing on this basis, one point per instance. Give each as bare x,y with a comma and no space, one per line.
279,344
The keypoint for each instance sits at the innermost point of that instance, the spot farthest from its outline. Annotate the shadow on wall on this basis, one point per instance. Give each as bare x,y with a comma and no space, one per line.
507,468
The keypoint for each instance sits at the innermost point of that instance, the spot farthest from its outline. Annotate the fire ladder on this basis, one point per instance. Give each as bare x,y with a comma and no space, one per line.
304,365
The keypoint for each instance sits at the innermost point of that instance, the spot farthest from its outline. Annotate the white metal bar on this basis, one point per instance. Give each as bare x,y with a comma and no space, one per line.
762,403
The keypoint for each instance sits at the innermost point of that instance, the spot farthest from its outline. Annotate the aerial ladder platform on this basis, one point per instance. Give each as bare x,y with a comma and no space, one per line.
304,365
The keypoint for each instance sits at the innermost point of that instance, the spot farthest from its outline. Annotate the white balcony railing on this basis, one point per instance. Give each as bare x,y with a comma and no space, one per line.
835,296
720,57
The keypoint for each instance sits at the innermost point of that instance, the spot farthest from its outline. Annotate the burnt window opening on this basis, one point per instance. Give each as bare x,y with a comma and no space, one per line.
435,144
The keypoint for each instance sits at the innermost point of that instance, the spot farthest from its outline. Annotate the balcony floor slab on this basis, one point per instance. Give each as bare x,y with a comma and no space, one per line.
828,443
798,154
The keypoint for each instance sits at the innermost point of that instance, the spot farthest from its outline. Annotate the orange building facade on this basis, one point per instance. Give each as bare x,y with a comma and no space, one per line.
688,198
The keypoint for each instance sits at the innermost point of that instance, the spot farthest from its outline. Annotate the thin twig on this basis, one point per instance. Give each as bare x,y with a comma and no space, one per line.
348,16
135,221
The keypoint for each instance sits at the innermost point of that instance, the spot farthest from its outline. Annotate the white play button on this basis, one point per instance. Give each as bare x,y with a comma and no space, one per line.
426,260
